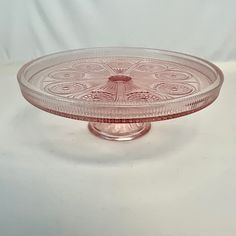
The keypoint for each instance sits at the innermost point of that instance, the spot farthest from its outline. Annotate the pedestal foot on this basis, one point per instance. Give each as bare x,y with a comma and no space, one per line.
119,132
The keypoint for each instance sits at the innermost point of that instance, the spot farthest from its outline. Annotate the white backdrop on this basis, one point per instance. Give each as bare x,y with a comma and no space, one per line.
29,28
56,179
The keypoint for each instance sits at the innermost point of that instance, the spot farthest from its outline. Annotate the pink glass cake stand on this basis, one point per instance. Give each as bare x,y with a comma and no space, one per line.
120,90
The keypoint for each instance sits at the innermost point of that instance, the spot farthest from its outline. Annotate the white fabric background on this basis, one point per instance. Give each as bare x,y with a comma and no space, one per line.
29,28
56,179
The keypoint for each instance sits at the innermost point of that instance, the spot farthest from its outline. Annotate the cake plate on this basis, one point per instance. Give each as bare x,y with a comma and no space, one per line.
120,91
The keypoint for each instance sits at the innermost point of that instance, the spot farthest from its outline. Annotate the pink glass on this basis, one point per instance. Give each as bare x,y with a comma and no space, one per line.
120,90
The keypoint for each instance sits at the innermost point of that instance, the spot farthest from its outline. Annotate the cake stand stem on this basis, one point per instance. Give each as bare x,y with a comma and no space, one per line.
119,132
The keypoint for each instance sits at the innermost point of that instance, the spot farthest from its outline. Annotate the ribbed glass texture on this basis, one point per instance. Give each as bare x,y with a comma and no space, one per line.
120,85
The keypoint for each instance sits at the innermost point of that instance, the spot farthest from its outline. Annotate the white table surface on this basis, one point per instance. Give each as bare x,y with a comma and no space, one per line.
57,179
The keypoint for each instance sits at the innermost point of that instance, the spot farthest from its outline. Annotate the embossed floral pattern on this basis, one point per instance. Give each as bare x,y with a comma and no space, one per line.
66,75
64,88
120,80
175,89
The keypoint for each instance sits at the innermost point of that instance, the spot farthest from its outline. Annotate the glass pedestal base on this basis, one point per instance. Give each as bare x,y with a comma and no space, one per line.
119,132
